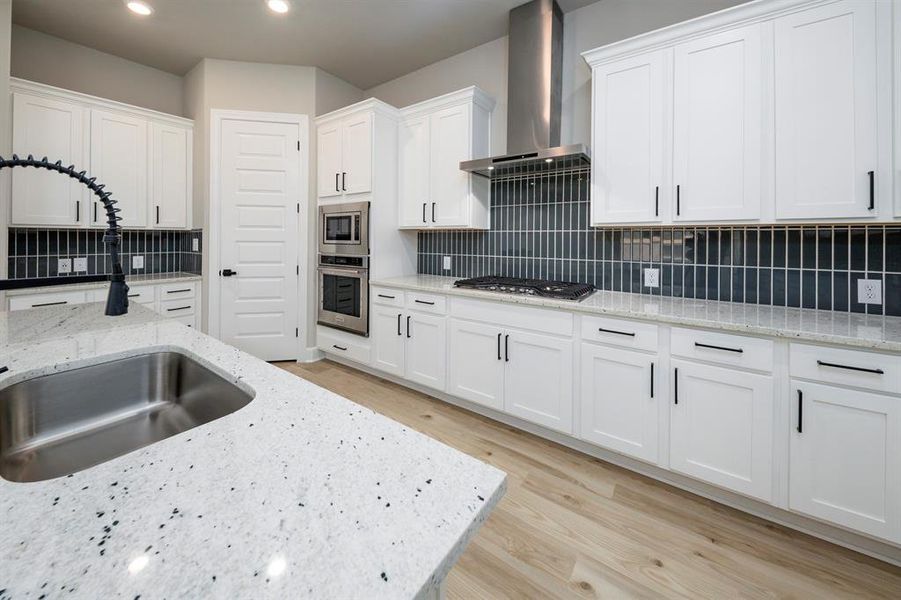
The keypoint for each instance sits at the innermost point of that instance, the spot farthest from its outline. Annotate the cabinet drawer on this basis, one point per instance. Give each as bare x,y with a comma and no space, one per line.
176,291
736,350
620,332
342,345
387,296
189,320
426,302
47,299
854,368
503,314
142,294
176,308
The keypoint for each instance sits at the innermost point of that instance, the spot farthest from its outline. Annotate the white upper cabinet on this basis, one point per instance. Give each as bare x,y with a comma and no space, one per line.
717,124
344,155
170,176
629,140
435,137
119,161
826,112
55,129
142,157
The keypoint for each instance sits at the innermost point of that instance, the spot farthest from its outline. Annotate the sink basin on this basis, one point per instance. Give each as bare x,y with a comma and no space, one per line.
61,423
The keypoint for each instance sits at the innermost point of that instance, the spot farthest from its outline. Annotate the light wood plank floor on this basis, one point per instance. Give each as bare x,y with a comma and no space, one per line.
572,526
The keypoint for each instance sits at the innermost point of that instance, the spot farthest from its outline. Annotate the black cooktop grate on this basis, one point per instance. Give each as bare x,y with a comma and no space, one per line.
563,290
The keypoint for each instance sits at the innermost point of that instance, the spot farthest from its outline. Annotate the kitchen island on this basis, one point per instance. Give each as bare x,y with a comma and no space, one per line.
299,494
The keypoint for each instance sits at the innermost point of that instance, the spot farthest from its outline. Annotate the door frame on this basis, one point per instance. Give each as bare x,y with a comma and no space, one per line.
217,117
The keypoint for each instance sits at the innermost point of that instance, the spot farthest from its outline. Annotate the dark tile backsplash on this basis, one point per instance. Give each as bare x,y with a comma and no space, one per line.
539,228
34,252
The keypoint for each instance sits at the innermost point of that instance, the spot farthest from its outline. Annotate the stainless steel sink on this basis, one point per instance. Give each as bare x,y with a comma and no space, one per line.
58,424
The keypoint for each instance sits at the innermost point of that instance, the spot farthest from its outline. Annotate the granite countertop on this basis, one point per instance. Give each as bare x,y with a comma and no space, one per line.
129,279
870,332
299,494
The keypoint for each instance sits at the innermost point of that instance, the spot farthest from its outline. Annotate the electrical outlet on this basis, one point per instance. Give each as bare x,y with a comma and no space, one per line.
80,264
195,245
137,262
869,291
64,265
652,278
447,263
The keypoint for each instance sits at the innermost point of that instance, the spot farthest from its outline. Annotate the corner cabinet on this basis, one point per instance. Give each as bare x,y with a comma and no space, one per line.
142,157
435,137
771,111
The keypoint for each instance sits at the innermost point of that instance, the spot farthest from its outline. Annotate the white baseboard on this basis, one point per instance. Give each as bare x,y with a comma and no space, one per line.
310,355
836,535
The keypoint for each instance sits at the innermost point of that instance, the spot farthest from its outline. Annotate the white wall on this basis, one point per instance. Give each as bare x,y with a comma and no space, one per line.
586,28
54,61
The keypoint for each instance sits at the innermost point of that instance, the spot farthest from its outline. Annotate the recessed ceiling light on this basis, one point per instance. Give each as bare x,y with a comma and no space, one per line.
139,7
279,6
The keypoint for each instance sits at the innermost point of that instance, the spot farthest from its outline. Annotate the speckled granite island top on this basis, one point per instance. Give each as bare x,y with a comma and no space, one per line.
300,494
870,332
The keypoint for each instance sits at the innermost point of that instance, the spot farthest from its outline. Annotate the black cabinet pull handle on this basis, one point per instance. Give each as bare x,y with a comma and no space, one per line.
850,368
95,213
678,200
343,182
800,411
398,324
676,386
657,201
386,296
423,212
872,176
723,348
433,212
133,295
157,214
78,211
506,348
342,348
628,333
179,308
652,380
337,189
408,325
498,346
424,302
50,304
178,291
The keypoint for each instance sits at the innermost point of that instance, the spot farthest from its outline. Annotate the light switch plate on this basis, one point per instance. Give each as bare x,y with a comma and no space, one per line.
652,278
195,245
869,291
447,263
137,262
80,264
64,265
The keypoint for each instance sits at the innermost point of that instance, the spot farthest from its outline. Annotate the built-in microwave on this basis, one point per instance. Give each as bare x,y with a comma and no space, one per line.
344,229
344,293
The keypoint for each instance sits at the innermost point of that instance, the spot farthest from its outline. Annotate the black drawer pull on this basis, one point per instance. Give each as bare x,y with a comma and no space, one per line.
341,348
133,295
498,346
800,412
178,291
676,386
424,302
386,296
50,304
652,380
723,348
628,333
178,308
850,368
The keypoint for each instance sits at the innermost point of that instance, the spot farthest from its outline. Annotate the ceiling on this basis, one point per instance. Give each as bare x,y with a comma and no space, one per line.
365,42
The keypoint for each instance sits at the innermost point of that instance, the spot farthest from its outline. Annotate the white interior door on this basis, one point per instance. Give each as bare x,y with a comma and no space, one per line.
259,184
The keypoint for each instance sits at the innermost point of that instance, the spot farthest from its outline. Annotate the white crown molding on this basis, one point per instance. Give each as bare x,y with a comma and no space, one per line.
470,94
370,104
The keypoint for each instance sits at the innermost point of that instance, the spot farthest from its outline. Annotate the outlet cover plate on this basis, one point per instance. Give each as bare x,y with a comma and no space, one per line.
80,264
64,265
137,262
869,291
652,278
447,263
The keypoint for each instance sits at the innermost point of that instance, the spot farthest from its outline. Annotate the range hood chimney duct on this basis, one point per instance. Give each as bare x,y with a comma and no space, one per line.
534,93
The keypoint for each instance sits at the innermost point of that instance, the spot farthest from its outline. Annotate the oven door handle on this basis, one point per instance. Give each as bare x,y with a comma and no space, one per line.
339,271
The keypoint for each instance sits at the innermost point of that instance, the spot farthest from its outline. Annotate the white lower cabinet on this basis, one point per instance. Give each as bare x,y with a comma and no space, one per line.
385,324
410,344
721,427
619,400
846,458
476,365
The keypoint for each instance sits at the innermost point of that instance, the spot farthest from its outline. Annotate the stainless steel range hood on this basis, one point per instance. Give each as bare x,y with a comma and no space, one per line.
534,90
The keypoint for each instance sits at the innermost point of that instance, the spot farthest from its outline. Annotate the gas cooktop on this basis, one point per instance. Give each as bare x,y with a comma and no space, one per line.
562,290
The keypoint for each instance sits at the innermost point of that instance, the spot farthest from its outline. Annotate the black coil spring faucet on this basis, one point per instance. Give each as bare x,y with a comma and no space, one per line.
117,299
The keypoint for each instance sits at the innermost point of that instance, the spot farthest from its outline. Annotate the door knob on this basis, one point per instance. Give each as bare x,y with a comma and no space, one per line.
227,272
